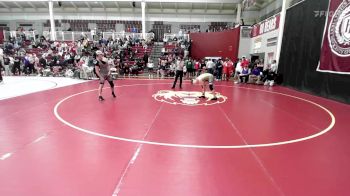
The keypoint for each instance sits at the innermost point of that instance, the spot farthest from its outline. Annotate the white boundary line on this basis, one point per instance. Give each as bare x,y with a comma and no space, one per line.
134,157
256,157
19,95
199,146
7,155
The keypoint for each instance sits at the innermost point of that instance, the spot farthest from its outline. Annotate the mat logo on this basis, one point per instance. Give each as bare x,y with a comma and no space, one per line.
339,30
188,98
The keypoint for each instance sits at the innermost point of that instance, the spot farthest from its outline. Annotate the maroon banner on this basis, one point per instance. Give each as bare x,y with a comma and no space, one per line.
2,37
266,26
216,44
335,51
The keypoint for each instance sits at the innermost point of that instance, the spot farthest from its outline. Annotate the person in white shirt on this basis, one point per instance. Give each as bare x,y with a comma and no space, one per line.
150,66
172,69
204,80
1,56
85,72
67,57
36,64
210,66
270,74
1,79
10,66
274,66
238,71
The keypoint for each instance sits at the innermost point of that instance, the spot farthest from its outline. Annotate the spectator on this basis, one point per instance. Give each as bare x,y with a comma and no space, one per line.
189,68
244,75
210,66
145,58
238,71
197,68
1,79
270,74
16,66
1,56
254,76
6,65
219,65
150,66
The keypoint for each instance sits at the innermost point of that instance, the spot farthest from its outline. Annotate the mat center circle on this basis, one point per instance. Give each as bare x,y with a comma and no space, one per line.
189,98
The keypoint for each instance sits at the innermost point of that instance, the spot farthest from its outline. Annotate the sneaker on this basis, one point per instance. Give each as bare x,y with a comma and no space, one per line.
101,98
113,95
173,87
214,98
202,96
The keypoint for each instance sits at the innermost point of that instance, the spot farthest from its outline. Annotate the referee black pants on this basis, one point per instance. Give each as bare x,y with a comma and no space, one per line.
177,75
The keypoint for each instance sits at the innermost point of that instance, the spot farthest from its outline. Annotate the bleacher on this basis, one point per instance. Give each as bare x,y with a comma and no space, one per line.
133,55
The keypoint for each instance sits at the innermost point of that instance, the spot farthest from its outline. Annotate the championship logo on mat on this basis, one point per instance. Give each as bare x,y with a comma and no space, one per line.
339,30
189,98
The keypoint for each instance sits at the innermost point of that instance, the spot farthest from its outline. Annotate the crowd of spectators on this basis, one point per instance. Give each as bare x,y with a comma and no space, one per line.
242,70
24,56
127,56
255,72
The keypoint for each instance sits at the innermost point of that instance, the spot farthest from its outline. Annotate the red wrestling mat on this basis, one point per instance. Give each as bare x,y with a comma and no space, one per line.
150,140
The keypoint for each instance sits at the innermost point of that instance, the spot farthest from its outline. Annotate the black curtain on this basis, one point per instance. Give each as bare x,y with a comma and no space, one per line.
300,54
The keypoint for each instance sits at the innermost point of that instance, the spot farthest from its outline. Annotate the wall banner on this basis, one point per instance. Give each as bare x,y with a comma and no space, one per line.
335,51
266,26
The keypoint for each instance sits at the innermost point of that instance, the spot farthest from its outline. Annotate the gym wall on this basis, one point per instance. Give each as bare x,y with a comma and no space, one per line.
215,44
300,54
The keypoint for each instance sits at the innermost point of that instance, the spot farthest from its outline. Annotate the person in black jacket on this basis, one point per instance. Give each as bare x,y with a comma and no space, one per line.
145,58
1,80
17,65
